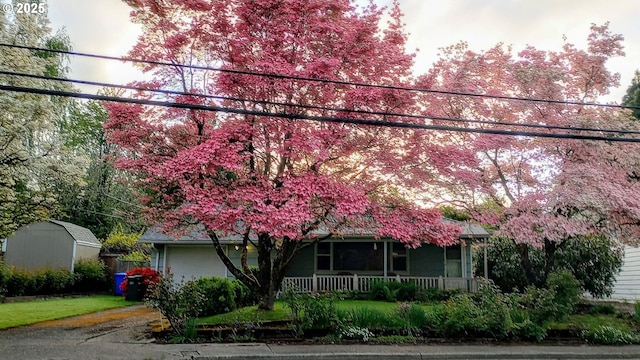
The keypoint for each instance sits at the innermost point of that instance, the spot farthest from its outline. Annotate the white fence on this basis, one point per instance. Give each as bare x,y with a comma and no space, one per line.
362,283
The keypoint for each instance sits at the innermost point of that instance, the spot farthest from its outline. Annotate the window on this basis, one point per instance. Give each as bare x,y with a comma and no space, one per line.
453,261
398,257
358,256
323,256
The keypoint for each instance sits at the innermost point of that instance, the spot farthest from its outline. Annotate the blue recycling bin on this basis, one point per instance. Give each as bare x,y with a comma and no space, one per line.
119,278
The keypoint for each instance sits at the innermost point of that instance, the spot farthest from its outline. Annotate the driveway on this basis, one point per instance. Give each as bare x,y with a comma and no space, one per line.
101,335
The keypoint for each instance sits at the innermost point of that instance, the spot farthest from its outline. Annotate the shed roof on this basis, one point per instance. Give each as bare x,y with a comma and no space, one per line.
82,235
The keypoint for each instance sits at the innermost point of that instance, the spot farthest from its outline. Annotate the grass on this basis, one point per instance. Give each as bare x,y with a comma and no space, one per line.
590,322
247,314
31,312
279,312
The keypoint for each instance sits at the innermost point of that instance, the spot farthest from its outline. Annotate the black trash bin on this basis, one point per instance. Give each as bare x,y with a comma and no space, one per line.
135,288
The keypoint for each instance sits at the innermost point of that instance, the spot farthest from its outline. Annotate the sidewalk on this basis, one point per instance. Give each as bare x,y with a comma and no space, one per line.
101,349
366,352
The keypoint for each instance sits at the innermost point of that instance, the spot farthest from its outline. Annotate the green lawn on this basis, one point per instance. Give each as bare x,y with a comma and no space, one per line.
31,312
279,312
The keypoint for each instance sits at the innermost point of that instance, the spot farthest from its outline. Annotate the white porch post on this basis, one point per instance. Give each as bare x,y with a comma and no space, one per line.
486,261
386,260
356,286
463,260
314,283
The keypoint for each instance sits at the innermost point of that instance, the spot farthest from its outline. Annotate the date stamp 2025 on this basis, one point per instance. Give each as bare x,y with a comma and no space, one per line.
23,8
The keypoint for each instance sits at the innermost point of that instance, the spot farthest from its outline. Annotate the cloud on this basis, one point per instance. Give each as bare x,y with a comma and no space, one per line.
103,27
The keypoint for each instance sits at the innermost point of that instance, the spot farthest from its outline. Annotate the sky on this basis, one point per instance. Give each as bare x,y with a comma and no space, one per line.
103,27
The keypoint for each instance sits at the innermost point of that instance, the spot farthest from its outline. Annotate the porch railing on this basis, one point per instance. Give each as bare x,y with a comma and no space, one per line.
362,283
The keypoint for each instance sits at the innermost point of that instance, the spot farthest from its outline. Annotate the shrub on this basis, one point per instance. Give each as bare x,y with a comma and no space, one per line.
608,335
523,328
605,309
90,276
541,305
16,282
178,302
149,276
567,290
316,311
435,295
413,317
120,242
460,316
57,281
593,260
136,255
20,283
393,291
368,318
219,295
243,295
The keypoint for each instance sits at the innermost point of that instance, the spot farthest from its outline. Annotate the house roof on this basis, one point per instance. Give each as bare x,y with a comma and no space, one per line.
469,230
81,235
198,236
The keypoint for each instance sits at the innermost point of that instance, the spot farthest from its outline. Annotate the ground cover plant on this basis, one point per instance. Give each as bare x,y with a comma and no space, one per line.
31,312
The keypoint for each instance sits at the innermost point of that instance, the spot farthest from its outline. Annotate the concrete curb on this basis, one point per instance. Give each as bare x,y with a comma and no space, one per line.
327,352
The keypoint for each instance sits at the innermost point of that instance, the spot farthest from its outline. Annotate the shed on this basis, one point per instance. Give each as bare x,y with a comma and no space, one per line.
50,244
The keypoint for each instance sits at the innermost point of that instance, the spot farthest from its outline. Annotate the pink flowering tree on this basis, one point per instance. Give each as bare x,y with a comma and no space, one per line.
274,180
541,191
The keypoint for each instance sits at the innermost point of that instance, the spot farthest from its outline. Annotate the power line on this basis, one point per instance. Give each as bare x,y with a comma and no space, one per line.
320,80
314,107
382,123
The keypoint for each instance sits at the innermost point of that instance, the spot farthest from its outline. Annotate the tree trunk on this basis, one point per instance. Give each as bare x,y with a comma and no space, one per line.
550,248
525,264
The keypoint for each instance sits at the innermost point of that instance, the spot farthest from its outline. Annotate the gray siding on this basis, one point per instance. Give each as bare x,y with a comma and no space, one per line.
427,260
39,246
304,263
627,286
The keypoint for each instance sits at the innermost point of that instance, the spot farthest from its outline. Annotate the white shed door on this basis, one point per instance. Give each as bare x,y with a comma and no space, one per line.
190,262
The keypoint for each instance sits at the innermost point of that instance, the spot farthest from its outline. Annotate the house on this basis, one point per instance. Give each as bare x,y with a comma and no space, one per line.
627,286
192,256
50,244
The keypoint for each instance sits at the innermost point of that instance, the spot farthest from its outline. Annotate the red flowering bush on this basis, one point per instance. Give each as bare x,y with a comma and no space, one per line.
149,276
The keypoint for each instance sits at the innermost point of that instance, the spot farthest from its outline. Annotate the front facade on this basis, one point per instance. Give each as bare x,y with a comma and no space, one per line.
50,245
366,256
193,256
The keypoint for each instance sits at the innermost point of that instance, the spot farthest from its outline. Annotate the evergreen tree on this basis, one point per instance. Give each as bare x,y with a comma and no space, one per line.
632,97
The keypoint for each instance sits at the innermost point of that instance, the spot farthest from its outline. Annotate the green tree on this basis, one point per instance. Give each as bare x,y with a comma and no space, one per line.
33,160
102,202
593,260
632,97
